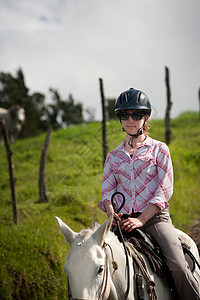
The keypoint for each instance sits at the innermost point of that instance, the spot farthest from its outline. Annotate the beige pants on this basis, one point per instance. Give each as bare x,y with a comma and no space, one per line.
161,229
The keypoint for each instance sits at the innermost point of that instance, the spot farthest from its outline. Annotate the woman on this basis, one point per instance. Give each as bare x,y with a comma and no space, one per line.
141,169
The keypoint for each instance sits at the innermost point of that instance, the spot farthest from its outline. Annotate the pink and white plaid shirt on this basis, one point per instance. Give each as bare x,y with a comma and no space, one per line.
145,178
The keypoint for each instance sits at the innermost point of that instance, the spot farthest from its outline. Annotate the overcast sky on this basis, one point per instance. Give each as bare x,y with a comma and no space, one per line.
69,44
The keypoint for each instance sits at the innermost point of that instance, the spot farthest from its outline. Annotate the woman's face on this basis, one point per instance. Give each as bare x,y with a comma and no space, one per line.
131,126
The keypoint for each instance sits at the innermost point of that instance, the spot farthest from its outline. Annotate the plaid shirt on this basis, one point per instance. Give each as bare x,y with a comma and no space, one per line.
145,178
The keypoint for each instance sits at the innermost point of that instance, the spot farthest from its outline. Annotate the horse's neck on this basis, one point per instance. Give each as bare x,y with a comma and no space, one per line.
114,242
120,275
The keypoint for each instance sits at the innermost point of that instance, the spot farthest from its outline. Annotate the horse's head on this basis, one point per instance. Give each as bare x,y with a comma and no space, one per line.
86,261
17,113
21,115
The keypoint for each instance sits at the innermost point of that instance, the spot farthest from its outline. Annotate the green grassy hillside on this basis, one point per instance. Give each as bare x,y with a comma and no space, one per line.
33,252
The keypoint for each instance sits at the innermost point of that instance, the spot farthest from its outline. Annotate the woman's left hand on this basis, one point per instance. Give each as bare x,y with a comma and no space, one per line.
129,224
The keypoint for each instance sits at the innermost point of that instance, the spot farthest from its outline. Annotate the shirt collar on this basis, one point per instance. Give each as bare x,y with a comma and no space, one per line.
147,142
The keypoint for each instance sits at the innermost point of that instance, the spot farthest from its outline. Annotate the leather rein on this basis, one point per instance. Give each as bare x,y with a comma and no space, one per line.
122,239
115,266
105,275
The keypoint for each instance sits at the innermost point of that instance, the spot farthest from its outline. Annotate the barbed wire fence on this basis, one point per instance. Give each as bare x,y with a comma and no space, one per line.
89,152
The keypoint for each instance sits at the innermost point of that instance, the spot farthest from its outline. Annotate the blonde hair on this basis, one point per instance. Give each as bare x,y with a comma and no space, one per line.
147,126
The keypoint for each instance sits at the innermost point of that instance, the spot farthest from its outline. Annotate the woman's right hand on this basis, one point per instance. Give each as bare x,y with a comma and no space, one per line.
110,211
116,217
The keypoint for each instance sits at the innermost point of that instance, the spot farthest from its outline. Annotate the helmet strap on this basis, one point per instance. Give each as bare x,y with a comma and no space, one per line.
134,136
139,132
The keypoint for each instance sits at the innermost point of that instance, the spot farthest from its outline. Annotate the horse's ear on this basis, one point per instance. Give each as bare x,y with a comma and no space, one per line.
100,234
68,233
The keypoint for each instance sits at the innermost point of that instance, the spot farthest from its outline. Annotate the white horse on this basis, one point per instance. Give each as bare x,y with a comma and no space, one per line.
14,118
96,265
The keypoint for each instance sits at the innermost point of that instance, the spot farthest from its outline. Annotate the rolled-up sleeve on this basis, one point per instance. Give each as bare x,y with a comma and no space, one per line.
164,189
109,183
145,178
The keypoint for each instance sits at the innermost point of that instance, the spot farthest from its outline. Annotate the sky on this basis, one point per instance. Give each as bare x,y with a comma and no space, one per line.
69,44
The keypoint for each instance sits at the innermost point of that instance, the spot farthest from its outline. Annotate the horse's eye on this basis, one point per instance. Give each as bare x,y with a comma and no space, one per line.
100,270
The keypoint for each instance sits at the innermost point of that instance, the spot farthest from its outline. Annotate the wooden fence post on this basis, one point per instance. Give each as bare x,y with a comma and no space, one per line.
105,146
168,109
43,193
11,170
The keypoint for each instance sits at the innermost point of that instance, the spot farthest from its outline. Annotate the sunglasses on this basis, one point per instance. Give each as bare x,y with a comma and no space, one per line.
135,115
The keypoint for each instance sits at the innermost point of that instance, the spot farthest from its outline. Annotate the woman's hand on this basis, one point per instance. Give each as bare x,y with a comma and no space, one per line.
130,223
110,211
116,217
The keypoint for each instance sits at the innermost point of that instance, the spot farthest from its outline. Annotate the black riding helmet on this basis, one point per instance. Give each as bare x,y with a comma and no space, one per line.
133,99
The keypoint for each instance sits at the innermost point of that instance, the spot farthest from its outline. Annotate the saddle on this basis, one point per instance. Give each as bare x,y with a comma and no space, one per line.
145,244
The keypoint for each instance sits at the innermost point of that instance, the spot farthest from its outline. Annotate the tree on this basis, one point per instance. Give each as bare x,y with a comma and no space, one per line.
13,91
64,112
72,113
111,108
39,103
53,110
39,116
34,110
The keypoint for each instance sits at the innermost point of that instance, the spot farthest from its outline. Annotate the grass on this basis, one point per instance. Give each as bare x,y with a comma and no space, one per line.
185,153
33,252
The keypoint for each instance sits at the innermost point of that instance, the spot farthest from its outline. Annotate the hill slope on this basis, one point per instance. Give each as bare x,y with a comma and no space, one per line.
33,253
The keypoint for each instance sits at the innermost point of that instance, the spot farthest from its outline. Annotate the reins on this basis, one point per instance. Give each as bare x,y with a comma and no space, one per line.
105,276
141,264
136,257
123,242
139,261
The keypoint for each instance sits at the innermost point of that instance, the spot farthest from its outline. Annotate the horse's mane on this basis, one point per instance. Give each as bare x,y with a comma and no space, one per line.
84,234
